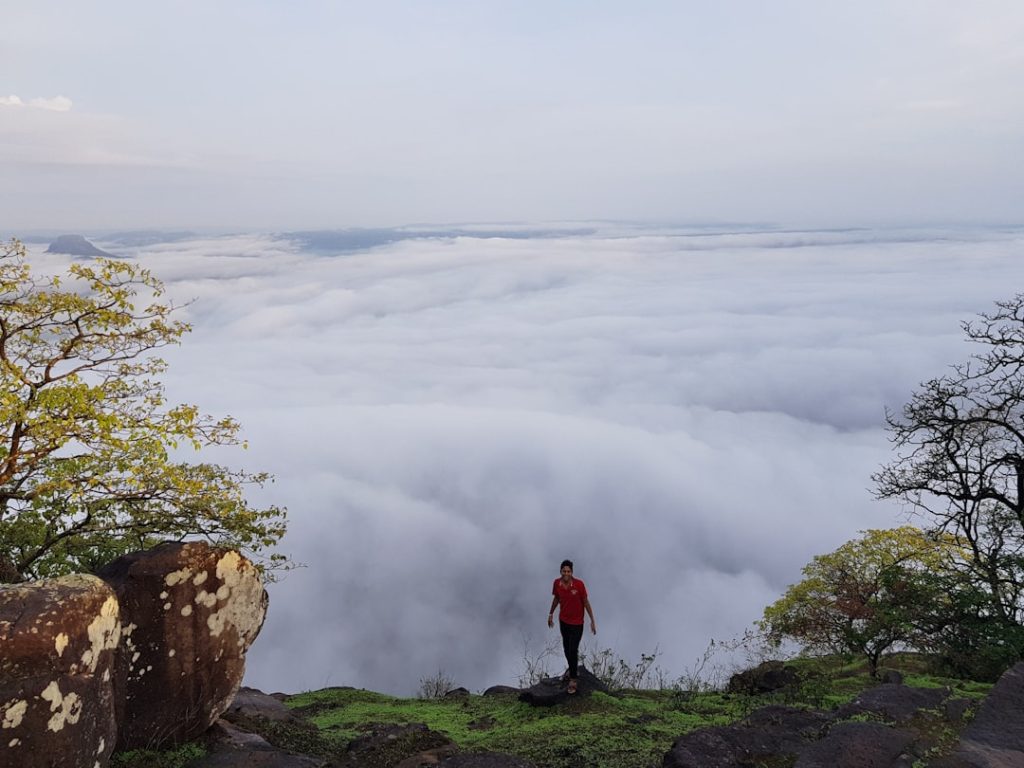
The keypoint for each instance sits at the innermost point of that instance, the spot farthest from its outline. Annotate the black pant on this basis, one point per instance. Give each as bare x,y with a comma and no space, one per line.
571,636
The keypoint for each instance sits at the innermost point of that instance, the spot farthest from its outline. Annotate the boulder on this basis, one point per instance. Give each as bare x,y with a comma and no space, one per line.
232,747
772,733
553,690
501,690
250,703
896,703
764,678
995,738
190,612
57,643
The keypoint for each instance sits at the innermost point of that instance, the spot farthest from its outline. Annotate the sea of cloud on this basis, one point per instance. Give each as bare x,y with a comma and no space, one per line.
690,415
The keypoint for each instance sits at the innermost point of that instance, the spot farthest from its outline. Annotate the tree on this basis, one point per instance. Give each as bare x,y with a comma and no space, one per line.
870,595
90,462
960,456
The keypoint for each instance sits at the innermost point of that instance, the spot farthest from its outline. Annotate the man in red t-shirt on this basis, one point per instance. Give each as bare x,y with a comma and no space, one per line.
571,595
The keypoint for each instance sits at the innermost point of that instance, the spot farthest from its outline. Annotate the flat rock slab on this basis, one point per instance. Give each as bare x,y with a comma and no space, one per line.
898,703
232,747
772,733
860,745
485,760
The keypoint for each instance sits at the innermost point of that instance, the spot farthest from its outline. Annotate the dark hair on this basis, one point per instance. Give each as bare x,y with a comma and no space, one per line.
565,563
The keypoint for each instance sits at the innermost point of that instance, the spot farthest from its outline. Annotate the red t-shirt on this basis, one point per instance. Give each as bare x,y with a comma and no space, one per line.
570,600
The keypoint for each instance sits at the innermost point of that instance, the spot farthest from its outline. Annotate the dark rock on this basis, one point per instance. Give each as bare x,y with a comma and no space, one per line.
892,677
76,245
764,678
860,745
485,760
995,738
388,744
956,709
774,733
501,690
57,643
190,612
554,690
897,703
232,747
250,703
457,693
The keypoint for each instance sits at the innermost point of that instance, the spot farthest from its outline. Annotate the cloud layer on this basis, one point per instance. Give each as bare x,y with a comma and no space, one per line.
690,415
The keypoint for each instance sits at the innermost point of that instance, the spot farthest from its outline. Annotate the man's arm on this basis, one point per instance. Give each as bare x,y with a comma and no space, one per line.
590,612
551,613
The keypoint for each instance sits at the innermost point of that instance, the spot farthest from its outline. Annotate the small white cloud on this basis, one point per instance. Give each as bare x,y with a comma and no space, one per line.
56,104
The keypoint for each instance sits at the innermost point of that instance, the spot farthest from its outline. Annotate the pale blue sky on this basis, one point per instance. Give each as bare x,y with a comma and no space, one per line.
332,114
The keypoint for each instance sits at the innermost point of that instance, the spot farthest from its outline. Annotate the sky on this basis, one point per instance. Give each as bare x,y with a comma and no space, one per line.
266,115
689,415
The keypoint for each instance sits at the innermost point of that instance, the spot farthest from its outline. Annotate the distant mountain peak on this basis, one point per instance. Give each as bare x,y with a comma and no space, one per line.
76,245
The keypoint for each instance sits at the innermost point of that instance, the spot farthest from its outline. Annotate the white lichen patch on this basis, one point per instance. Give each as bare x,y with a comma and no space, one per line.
229,568
243,607
176,577
163,595
13,743
104,633
102,746
170,653
224,592
167,606
66,709
13,711
200,578
186,611
60,643
205,598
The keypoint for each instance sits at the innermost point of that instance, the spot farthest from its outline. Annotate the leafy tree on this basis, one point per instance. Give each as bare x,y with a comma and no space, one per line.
89,465
871,594
960,456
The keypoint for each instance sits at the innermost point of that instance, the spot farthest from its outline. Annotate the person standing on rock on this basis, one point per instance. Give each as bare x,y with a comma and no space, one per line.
569,595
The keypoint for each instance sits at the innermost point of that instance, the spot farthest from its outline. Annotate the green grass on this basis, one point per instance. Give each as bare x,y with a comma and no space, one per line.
631,729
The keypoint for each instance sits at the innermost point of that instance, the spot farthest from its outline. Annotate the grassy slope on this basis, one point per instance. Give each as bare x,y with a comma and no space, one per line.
632,729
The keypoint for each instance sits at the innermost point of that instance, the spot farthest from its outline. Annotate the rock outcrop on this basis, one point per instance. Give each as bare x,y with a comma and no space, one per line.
57,699
76,245
190,613
552,690
995,738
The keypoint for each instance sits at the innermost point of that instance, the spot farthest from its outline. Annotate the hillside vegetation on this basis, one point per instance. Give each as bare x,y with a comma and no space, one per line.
625,729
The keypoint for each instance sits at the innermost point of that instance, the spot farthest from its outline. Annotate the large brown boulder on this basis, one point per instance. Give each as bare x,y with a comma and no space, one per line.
190,612
57,643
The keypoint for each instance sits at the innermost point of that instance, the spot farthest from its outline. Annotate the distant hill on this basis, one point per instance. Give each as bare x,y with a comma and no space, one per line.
76,245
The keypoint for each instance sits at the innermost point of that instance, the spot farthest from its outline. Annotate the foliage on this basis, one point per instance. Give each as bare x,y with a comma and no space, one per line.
88,445
868,596
960,456
620,674
435,686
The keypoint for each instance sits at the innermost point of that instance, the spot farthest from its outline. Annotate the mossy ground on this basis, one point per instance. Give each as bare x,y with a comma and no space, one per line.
630,729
